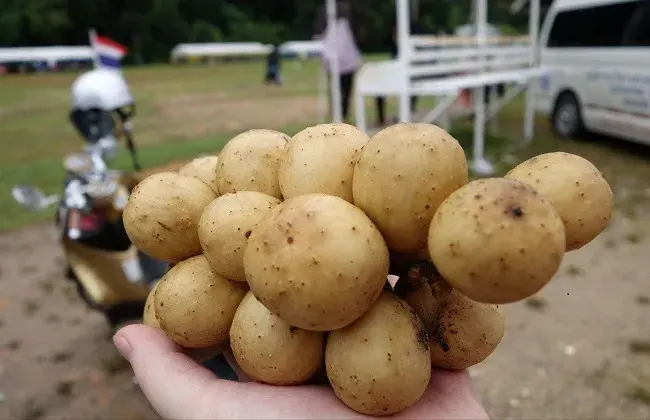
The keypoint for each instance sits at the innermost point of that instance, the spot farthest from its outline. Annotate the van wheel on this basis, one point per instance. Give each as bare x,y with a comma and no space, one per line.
567,117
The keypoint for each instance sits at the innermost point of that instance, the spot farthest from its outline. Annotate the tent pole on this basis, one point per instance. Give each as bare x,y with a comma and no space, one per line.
533,35
335,84
322,95
359,105
403,35
481,165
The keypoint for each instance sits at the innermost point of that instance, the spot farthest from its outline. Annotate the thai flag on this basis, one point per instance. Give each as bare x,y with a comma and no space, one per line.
108,53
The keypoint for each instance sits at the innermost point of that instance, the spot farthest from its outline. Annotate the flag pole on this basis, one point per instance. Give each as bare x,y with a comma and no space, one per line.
92,35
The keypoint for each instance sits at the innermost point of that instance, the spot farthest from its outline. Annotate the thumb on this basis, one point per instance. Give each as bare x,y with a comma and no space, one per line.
171,380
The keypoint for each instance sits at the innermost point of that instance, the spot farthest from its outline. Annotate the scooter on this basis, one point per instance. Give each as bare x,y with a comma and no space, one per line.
110,274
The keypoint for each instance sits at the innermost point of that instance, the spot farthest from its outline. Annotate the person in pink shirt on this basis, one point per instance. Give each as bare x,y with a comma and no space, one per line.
345,45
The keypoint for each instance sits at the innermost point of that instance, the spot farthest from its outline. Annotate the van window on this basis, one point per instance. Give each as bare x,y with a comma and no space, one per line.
637,33
601,26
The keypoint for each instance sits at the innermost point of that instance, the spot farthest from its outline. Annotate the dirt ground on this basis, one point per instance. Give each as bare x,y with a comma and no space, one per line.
580,349
182,117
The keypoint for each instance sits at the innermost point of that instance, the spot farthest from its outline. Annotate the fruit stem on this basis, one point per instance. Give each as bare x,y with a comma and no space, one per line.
412,273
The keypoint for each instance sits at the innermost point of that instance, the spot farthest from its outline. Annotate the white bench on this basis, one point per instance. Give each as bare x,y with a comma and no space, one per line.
443,69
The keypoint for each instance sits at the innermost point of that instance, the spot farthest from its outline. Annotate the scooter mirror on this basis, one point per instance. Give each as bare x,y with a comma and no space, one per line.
31,197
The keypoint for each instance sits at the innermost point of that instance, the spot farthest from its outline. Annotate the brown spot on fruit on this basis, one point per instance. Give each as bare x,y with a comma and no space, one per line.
164,226
516,212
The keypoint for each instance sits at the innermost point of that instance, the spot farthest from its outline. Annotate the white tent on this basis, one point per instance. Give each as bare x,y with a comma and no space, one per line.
220,49
51,55
243,49
302,48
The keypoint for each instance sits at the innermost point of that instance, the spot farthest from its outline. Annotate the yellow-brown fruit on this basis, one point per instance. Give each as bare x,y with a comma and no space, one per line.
402,176
149,315
225,226
162,215
250,162
199,355
203,168
462,332
380,364
321,159
271,351
496,240
194,305
207,353
576,188
317,261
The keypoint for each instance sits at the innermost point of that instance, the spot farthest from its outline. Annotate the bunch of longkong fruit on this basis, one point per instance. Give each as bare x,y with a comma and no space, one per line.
281,247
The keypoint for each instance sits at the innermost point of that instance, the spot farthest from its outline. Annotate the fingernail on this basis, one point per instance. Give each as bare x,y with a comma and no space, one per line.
123,346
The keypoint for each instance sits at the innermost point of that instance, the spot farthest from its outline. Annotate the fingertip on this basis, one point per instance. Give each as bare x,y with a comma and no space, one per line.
123,346
138,336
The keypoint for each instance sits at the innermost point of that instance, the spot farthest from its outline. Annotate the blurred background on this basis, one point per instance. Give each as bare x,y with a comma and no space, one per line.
201,71
151,28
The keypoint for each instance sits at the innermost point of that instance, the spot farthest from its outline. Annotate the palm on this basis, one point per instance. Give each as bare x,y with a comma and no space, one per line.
178,387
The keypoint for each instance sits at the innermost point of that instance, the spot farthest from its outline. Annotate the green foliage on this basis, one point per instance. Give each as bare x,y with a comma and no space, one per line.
509,30
150,28
10,23
203,31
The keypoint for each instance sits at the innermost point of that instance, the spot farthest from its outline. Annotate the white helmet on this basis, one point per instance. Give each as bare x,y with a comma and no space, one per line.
101,89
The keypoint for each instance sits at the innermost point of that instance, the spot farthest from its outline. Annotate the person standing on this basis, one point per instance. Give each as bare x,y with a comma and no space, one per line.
273,67
343,43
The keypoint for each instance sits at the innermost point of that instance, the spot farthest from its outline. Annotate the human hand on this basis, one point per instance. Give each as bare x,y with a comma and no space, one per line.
178,387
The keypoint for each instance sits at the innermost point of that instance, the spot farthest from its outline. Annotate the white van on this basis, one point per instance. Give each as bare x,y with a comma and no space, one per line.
596,54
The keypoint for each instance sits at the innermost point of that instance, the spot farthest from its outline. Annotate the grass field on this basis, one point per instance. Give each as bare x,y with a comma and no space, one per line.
182,111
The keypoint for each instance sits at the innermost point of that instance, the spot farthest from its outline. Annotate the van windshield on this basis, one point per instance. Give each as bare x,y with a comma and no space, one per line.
612,25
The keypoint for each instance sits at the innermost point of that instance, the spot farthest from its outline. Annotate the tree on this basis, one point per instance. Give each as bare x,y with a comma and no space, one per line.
151,28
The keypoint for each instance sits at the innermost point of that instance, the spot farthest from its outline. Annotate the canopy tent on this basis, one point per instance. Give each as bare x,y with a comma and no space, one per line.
302,48
50,55
220,49
244,49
